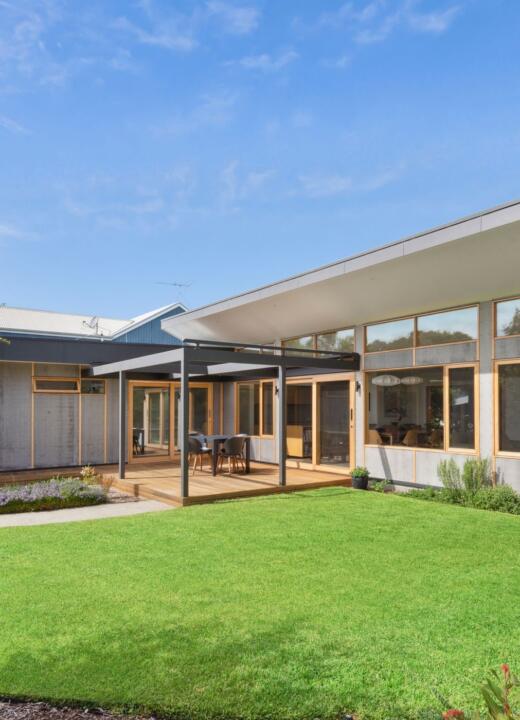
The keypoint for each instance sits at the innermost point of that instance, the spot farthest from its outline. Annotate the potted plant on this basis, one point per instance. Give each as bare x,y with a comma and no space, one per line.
360,477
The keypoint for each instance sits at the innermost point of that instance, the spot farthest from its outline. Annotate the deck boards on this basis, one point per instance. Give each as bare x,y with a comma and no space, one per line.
161,481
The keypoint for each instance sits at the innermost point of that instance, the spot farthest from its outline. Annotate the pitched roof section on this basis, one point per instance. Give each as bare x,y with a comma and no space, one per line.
46,322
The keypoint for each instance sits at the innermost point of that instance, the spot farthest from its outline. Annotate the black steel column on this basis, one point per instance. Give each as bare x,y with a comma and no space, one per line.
123,430
184,412
282,425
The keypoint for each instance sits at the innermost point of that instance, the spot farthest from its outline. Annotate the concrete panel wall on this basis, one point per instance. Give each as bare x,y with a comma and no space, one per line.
50,370
445,354
15,415
229,408
112,391
392,359
390,464
507,348
508,471
56,430
92,429
426,464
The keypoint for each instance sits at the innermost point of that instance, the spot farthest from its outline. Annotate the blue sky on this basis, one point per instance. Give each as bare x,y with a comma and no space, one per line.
226,144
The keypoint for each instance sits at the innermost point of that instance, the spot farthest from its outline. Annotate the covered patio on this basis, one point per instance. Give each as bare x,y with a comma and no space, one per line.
195,361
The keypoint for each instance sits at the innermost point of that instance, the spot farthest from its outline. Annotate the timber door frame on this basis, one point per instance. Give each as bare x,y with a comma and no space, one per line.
315,381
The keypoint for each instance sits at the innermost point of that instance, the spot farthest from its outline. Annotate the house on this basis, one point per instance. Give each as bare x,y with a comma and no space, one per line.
396,359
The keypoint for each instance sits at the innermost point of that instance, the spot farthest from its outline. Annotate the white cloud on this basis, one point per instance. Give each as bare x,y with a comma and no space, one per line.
215,110
320,186
267,62
166,35
235,20
12,126
340,63
434,22
10,232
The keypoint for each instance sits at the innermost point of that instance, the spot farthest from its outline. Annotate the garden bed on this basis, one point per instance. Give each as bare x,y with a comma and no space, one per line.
55,494
43,711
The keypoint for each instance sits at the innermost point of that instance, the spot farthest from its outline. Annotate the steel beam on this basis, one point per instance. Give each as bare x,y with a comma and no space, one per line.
122,424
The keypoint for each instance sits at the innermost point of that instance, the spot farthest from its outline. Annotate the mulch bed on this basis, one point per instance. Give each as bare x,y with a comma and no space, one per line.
43,711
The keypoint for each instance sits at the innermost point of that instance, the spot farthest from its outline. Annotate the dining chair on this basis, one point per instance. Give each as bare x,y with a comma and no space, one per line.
233,451
197,450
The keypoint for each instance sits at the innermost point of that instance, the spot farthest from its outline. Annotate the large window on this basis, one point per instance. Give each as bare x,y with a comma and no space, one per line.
267,408
454,326
301,343
462,407
249,408
508,317
341,340
509,407
406,408
390,335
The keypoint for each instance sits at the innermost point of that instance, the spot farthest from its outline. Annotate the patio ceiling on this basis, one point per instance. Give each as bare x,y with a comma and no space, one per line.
473,259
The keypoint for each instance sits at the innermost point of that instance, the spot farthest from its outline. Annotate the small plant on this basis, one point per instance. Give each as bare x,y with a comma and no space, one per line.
106,481
496,691
476,474
381,486
359,477
88,474
449,474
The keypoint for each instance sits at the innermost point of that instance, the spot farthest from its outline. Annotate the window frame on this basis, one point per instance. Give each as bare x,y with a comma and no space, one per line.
53,378
496,408
415,346
447,447
90,379
260,384
496,336
314,336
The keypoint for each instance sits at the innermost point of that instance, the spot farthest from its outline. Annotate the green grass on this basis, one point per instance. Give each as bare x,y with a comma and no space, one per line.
296,606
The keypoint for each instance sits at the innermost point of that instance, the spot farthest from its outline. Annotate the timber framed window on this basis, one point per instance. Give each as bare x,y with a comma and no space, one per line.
56,385
507,318
507,407
255,408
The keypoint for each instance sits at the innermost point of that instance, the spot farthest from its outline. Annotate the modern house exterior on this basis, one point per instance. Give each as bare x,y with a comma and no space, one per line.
427,329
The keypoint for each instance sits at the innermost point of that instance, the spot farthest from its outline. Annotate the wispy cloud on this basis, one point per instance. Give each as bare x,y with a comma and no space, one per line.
234,20
12,126
236,185
213,110
167,35
266,62
321,186
339,63
374,21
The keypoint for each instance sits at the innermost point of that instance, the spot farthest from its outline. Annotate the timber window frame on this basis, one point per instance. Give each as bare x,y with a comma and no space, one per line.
447,446
51,385
261,385
496,303
496,405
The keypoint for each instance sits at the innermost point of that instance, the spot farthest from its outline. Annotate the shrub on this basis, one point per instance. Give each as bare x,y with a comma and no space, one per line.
501,498
449,474
49,495
359,472
381,486
476,474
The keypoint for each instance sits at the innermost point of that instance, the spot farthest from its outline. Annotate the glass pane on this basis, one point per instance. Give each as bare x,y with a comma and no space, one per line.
151,421
509,407
249,408
339,340
405,407
508,317
454,326
389,336
267,408
302,343
299,421
92,387
334,408
57,385
462,408
199,410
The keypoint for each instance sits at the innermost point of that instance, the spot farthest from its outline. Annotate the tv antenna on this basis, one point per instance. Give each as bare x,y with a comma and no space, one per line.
93,324
173,284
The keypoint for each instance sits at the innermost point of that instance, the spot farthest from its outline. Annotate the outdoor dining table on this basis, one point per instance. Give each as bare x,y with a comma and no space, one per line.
215,441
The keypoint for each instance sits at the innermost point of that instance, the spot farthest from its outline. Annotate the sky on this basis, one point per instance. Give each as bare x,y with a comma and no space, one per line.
153,151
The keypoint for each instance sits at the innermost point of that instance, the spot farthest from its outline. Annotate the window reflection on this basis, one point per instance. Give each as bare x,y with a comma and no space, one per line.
445,327
390,335
508,317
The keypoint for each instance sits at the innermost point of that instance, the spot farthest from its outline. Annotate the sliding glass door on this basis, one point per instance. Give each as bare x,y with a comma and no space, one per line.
199,411
320,423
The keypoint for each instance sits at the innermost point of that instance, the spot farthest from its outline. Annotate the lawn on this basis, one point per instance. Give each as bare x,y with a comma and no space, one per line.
296,606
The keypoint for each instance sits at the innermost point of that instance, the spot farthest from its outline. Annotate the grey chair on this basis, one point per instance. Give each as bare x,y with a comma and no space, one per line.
233,451
197,451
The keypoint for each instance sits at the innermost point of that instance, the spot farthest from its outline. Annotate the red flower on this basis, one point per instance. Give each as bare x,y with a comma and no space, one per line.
452,714
505,669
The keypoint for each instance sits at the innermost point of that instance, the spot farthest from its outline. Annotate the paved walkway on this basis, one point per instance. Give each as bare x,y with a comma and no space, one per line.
92,512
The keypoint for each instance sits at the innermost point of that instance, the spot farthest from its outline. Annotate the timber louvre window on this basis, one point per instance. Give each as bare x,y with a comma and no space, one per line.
255,408
55,385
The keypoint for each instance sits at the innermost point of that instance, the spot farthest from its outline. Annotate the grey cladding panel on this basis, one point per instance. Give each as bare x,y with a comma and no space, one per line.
507,348
112,391
385,463
229,402
392,359
92,429
15,415
56,430
508,471
443,354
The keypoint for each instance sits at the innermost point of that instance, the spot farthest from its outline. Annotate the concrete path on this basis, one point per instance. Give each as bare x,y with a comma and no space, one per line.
92,512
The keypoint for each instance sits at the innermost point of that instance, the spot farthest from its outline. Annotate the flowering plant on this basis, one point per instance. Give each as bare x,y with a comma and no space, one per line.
496,691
